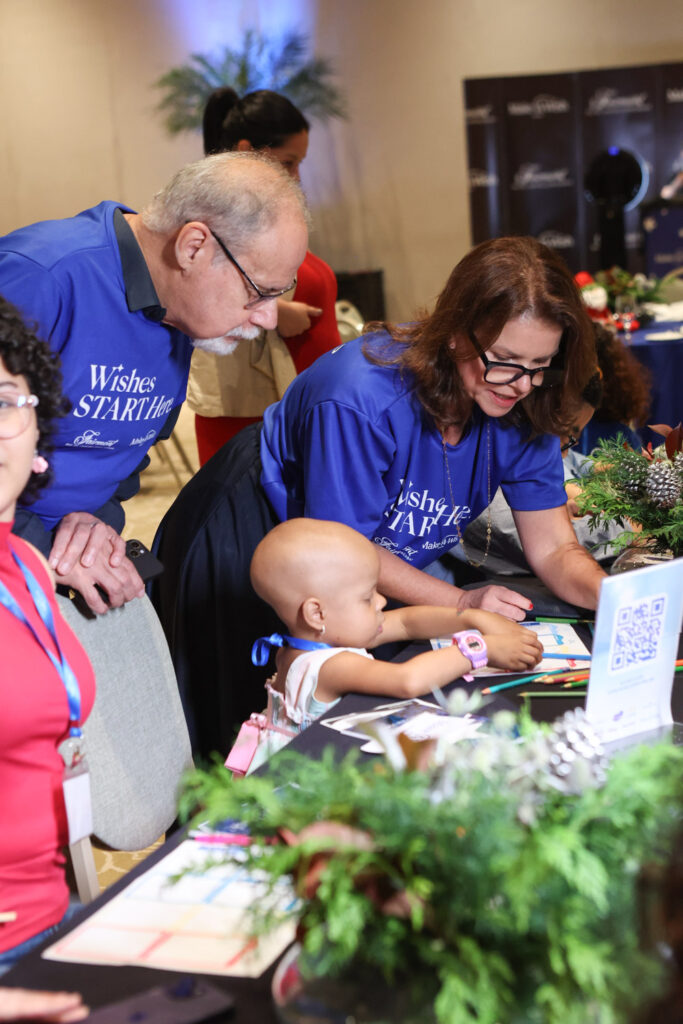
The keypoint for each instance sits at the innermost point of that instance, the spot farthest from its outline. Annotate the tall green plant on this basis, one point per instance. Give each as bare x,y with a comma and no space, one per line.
262,62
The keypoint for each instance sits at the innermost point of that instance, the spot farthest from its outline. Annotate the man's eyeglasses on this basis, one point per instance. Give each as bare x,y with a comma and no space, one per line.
261,295
15,414
507,373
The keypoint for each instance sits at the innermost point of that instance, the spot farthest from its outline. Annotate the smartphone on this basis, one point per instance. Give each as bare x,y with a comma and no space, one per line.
186,1001
144,561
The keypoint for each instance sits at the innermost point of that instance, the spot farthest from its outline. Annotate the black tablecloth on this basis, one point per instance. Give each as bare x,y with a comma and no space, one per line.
101,985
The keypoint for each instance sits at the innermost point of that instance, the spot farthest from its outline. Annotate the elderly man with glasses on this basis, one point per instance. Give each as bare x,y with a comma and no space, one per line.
123,297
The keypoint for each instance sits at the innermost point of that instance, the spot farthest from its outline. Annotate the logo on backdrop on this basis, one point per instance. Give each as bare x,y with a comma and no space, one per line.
608,101
538,107
556,240
482,179
634,240
674,95
480,115
533,176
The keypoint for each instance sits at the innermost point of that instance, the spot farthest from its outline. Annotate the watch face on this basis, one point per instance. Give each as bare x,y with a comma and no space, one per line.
474,643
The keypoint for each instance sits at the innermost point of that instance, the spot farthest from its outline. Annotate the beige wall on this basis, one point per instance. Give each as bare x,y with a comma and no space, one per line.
388,187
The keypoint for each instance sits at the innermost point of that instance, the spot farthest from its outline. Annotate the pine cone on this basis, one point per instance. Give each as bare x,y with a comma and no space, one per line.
577,759
663,484
631,474
678,462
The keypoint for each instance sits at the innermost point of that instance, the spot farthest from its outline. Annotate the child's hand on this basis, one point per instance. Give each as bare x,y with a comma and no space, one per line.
515,650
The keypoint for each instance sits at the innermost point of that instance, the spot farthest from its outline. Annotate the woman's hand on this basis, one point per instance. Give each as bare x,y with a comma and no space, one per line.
293,318
23,1004
496,599
514,651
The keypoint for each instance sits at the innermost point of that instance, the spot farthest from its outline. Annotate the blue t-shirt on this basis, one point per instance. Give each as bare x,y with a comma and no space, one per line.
123,372
350,442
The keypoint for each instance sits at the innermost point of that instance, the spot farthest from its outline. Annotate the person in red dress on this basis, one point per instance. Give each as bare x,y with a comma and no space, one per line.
229,393
40,700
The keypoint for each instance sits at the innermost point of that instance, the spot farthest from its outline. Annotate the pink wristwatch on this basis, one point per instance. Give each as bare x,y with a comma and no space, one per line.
473,646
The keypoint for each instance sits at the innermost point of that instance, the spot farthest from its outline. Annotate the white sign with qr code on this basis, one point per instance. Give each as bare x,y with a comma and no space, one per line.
634,650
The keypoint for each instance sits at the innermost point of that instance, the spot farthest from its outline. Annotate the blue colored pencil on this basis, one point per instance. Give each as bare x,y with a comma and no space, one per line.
568,657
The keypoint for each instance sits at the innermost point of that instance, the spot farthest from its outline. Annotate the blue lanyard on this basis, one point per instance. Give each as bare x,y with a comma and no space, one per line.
260,652
62,666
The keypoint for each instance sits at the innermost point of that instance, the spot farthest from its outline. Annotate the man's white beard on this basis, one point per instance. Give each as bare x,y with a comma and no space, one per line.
226,344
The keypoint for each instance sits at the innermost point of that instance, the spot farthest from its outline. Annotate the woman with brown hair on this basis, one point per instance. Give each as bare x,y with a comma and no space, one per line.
405,435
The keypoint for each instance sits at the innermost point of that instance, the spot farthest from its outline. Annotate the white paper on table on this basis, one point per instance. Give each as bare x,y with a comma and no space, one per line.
558,638
634,650
198,924
417,719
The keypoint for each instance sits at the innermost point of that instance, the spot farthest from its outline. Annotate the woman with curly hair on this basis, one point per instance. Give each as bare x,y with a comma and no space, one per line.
404,435
47,681
625,397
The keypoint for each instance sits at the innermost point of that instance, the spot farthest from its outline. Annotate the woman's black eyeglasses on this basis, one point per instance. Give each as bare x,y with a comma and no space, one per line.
508,373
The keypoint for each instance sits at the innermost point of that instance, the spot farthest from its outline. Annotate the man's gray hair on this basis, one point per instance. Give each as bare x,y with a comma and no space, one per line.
238,195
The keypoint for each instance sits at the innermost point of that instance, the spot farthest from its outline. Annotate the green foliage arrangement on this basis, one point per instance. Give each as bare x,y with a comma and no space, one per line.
497,875
646,488
636,287
262,62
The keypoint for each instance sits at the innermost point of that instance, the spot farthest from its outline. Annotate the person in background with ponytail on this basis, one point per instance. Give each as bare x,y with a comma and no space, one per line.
229,394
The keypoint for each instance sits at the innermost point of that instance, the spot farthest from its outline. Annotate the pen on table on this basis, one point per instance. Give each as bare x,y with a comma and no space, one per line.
552,693
556,618
222,838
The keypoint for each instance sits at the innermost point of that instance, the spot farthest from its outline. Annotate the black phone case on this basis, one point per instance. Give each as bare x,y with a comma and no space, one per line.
144,561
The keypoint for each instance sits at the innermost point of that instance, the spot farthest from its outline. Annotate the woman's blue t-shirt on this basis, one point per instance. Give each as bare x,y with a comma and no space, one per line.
350,442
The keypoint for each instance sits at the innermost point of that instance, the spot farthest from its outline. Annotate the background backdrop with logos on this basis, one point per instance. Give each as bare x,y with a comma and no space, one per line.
531,139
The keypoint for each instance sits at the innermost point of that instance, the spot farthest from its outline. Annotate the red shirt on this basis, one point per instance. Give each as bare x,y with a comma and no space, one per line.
34,719
316,285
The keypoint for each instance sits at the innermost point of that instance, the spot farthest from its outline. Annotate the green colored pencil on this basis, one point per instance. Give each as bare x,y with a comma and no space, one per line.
557,618
553,693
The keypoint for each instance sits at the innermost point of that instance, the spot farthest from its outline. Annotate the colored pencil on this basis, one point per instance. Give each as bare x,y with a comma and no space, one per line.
552,693
559,675
558,618
562,675
568,657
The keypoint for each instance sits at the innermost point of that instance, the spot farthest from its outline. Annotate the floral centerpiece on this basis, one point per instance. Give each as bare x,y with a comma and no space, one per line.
491,880
620,284
639,490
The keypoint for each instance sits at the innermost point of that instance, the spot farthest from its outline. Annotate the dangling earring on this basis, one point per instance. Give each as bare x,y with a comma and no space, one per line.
322,629
39,464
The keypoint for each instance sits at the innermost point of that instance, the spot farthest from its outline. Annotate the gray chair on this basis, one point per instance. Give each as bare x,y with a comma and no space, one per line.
136,737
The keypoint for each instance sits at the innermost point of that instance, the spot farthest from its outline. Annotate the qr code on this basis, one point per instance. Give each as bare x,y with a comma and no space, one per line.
638,632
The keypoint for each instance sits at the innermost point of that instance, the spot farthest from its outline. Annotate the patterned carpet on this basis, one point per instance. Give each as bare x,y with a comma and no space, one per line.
113,864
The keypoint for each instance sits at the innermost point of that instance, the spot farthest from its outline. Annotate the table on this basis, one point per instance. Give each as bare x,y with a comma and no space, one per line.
101,985
664,360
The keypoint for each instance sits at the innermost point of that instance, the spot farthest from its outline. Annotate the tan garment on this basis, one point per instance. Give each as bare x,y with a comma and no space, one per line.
244,383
